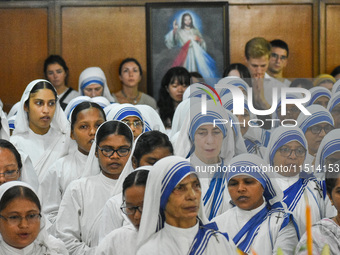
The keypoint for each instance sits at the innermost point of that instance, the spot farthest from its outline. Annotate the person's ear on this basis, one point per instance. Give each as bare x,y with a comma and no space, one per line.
134,162
96,153
26,107
72,135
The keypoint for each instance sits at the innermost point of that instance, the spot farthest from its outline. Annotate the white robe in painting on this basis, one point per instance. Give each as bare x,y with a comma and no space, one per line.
326,231
320,207
172,240
234,219
59,176
112,217
80,210
120,241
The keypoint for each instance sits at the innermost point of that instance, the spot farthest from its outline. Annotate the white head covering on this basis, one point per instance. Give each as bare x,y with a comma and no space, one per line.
94,75
4,129
162,179
336,87
335,100
59,121
317,92
151,117
44,243
12,115
231,80
184,145
92,163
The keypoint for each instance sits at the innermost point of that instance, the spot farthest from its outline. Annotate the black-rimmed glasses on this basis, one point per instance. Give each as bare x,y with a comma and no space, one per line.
17,219
129,210
108,151
10,174
316,129
276,56
286,151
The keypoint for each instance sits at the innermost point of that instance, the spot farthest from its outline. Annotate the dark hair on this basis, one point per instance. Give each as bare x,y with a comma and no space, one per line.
18,192
331,178
149,141
335,71
280,44
8,145
41,85
242,69
136,178
306,84
114,127
56,59
165,103
83,106
182,21
130,60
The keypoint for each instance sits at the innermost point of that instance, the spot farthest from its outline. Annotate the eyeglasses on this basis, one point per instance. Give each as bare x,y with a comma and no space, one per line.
10,174
129,210
108,151
276,56
17,219
135,123
316,129
286,151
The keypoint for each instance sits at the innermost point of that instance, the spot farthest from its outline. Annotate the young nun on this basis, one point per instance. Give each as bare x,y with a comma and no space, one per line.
258,221
22,228
286,153
327,230
328,153
41,128
123,240
209,145
315,127
320,96
12,168
86,117
92,83
173,221
151,116
149,148
130,115
81,206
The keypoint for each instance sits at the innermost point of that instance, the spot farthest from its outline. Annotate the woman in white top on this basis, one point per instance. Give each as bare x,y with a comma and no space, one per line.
41,128
258,221
173,221
21,226
86,117
4,126
81,206
122,241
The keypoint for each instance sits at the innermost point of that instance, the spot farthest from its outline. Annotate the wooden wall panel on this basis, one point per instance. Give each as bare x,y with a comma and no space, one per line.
291,23
23,40
332,49
103,36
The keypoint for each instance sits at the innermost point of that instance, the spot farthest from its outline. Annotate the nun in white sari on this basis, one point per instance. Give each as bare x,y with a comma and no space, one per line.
319,95
49,143
207,140
259,220
41,244
4,127
173,186
81,207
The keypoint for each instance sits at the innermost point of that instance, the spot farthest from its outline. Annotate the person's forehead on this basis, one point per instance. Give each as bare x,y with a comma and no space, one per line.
279,51
259,61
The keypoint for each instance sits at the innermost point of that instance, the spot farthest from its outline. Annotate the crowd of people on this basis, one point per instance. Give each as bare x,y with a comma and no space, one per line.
90,172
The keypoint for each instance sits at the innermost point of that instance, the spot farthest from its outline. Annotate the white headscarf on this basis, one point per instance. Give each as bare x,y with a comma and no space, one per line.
317,92
44,243
12,115
151,117
336,87
4,131
94,75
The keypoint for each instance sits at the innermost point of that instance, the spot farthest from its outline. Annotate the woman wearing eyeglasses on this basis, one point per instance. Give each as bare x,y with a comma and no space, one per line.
286,152
81,206
121,241
22,228
315,127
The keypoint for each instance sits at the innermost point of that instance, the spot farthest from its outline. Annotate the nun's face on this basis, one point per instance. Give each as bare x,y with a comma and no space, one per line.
9,170
183,204
314,138
93,90
246,192
331,160
134,197
336,116
289,158
322,101
135,124
42,105
152,157
20,233
208,142
113,165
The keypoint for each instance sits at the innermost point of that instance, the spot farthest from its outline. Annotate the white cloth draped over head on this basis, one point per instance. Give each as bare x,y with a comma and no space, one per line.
164,176
4,127
197,90
94,75
43,244
184,145
92,163
122,111
335,100
151,117
12,115
329,145
336,87
59,137
317,92
231,80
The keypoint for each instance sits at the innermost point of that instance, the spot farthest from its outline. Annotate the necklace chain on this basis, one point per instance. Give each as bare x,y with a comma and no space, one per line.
134,100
